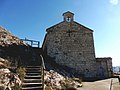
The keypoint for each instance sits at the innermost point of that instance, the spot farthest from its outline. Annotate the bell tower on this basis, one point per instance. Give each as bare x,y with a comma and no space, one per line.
68,16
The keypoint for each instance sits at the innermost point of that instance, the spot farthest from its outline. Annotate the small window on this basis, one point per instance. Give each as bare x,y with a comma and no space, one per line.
68,19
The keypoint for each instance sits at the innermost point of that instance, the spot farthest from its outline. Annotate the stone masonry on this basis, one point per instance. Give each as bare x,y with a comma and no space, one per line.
104,67
71,44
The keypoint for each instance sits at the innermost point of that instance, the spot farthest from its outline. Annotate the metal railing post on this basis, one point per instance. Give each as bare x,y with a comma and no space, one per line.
43,68
111,84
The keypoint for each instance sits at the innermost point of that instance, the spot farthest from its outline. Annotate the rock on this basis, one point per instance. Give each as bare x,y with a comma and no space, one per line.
2,60
4,71
6,38
53,79
57,81
7,78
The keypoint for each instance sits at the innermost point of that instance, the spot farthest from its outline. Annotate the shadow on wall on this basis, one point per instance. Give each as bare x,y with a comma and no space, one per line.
19,54
69,72
63,70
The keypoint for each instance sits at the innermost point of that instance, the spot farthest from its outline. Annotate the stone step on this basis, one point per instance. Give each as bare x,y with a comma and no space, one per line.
36,68
32,80
33,74
31,84
32,88
25,84
33,77
33,71
33,67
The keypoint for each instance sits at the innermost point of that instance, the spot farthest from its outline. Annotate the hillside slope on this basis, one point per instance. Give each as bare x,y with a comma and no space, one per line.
6,38
15,50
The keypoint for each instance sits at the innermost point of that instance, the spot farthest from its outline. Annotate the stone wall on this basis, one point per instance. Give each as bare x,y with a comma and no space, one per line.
71,44
104,67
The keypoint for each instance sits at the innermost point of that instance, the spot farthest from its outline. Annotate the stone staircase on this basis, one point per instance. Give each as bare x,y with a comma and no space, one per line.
33,78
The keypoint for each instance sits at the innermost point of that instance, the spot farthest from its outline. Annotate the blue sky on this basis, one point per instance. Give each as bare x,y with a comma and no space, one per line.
30,18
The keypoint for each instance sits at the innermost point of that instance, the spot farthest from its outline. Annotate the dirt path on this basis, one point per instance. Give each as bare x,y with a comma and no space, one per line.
101,85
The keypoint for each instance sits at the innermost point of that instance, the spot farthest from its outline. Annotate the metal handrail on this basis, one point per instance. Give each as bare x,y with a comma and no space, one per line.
43,64
32,42
43,68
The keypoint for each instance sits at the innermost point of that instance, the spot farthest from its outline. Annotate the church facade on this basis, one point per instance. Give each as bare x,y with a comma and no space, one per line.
72,44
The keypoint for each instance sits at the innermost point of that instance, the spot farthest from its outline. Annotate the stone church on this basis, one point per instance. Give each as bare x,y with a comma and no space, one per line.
72,44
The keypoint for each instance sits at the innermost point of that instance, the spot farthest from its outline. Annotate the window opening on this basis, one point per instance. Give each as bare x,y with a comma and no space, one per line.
68,19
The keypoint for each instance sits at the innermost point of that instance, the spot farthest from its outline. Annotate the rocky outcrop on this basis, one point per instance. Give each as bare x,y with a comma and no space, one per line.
7,78
55,81
14,49
6,38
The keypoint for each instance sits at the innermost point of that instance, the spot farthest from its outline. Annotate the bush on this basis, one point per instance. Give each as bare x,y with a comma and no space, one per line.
22,72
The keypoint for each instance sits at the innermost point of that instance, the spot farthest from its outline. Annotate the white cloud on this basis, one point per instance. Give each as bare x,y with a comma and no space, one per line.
114,2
